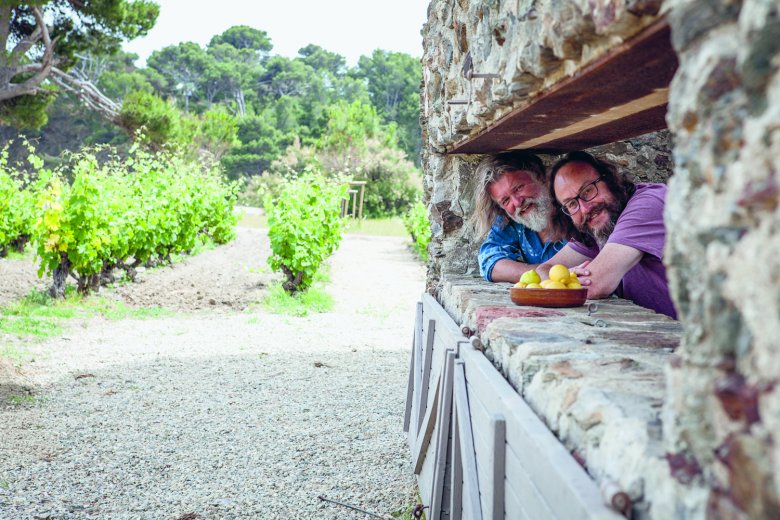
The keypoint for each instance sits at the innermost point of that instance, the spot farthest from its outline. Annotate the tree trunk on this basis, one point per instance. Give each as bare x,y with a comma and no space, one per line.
59,277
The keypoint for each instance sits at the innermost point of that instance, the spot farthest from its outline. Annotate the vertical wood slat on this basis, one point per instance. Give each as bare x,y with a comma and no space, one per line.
456,498
471,503
412,368
426,373
443,418
418,342
423,438
498,424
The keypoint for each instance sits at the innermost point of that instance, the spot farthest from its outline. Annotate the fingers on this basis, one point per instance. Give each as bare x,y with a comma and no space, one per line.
580,270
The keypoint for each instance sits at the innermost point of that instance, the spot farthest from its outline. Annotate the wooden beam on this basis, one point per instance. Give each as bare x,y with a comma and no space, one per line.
599,104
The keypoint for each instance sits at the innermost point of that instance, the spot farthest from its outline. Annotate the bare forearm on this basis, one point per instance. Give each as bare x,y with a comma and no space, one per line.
509,270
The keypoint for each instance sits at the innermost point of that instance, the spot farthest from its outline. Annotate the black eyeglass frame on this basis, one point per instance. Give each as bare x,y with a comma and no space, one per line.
579,197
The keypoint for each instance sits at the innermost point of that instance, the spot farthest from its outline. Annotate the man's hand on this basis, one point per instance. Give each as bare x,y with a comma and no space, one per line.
583,274
609,268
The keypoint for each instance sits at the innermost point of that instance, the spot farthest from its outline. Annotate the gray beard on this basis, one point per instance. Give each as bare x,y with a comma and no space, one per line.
537,219
602,235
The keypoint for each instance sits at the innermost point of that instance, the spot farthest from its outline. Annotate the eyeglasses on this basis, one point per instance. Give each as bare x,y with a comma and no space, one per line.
587,193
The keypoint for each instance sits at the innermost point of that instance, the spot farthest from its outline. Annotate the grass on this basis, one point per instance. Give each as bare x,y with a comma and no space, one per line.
384,227
22,400
39,315
278,301
16,354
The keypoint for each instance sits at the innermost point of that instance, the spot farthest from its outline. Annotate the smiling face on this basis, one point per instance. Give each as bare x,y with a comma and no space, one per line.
595,217
522,198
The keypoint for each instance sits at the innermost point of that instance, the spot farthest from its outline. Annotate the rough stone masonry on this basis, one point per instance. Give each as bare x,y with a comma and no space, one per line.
722,404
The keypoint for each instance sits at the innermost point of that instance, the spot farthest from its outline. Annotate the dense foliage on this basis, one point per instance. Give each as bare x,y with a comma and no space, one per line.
91,216
419,227
16,207
304,227
37,37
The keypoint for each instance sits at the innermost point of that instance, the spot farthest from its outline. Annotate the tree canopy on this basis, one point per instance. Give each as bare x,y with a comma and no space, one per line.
42,38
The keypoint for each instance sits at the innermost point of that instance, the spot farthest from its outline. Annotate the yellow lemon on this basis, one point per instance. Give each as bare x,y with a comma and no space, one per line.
521,285
559,273
573,277
555,285
533,286
530,277
574,285
545,283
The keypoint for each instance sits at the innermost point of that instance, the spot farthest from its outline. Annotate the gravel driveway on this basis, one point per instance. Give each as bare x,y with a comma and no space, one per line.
223,410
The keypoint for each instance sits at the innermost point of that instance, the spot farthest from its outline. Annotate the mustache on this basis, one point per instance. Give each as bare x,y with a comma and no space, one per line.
594,211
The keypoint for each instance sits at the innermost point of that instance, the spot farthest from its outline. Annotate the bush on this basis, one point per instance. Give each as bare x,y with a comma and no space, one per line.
393,181
17,203
304,227
419,227
258,186
126,213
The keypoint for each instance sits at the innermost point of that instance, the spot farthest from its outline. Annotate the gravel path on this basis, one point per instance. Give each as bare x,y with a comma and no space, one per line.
218,413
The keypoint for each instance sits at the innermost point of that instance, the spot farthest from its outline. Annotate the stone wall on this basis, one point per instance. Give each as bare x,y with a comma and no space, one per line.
531,45
722,404
722,414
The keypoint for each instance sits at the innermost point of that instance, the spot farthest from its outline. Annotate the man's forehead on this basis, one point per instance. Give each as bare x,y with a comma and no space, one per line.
576,173
519,176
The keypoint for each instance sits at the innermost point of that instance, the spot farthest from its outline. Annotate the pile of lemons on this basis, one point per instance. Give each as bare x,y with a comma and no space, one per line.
560,278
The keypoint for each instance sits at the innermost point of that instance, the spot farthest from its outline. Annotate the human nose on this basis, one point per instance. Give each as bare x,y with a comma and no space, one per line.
585,206
517,200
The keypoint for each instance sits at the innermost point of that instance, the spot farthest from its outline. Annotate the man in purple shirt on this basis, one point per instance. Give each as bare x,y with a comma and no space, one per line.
615,229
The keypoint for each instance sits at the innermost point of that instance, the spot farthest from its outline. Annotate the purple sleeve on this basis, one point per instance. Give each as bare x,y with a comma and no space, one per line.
641,225
579,247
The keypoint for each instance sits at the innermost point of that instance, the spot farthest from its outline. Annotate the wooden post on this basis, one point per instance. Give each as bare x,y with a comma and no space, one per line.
360,211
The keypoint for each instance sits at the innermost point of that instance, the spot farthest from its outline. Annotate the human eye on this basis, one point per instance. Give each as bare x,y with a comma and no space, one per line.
571,205
588,192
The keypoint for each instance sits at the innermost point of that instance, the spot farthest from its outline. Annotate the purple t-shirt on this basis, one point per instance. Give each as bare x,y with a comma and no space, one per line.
641,226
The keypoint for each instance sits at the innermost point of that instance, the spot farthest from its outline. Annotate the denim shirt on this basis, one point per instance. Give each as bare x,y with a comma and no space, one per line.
513,242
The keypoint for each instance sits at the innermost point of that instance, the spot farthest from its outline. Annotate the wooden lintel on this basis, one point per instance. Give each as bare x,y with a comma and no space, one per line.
621,95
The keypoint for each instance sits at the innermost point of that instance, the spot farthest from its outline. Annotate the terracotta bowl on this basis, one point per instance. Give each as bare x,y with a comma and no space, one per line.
549,297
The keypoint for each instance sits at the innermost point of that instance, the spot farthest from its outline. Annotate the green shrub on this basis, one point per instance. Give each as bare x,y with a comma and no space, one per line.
124,213
304,227
17,203
258,186
419,227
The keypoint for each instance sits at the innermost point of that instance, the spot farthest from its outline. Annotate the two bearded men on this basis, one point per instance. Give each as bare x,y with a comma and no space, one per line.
585,215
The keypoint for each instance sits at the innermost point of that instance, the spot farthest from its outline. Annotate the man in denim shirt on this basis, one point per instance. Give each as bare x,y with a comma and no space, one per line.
512,208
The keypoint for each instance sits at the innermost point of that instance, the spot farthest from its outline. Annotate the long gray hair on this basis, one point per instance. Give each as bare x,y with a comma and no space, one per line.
490,169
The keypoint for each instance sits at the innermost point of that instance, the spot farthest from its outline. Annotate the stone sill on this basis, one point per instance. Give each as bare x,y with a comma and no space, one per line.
597,381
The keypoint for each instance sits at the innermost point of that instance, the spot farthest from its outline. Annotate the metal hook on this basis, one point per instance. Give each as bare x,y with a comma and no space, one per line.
592,308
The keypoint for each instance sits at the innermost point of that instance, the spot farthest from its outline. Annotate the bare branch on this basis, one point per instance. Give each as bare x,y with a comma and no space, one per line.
87,93
25,44
30,85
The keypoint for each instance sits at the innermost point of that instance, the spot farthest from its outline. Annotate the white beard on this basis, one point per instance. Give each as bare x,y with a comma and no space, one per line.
537,219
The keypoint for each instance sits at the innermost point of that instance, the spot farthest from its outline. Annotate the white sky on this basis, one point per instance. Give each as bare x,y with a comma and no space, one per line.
348,27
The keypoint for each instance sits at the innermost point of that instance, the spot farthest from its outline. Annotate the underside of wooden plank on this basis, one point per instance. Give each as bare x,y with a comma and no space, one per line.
602,103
